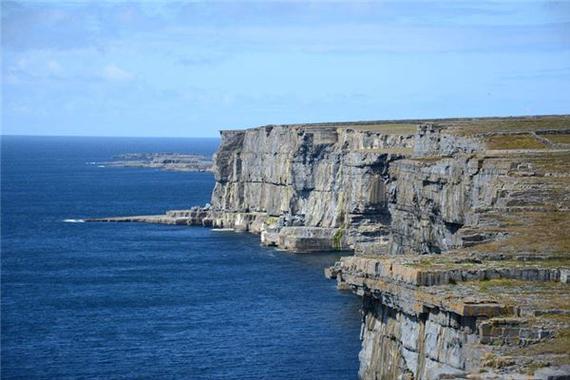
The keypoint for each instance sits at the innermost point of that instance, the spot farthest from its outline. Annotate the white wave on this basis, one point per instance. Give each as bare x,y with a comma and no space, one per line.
222,229
100,166
74,221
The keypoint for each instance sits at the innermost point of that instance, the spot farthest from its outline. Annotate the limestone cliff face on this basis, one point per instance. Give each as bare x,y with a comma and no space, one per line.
403,345
374,192
325,179
479,195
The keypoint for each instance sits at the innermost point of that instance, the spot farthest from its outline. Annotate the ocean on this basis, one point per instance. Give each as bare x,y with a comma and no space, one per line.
113,301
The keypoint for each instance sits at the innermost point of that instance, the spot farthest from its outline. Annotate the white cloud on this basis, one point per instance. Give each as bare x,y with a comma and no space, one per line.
115,73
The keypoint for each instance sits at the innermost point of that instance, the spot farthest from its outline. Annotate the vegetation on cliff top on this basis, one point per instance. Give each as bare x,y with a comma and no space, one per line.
461,126
525,141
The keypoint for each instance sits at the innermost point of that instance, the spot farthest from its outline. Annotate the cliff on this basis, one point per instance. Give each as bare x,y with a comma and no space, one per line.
459,228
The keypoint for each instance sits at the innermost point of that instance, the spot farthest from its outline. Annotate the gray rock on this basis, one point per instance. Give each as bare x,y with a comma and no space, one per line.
553,373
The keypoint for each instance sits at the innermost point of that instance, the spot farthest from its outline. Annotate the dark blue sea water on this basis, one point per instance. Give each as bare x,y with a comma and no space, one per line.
82,300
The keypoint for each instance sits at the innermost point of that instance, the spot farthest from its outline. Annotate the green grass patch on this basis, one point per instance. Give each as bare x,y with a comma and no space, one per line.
558,139
543,233
403,129
270,220
514,142
394,150
469,127
551,162
337,238
559,345
487,285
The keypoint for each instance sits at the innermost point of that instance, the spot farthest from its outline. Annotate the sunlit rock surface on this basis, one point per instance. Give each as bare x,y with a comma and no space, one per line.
459,229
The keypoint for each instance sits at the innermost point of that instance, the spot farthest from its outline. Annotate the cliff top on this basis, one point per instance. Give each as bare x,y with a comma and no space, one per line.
460,126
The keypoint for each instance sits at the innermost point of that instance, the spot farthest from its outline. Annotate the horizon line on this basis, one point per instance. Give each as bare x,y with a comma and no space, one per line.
318,123
108,136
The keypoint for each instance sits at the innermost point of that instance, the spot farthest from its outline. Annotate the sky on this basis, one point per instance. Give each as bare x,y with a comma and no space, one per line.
189,69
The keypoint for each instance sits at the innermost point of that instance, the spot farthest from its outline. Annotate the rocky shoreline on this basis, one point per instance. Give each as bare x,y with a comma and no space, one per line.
460,232
196,216
162,161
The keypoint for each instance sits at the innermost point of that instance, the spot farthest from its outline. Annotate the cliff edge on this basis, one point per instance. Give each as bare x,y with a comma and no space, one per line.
459,229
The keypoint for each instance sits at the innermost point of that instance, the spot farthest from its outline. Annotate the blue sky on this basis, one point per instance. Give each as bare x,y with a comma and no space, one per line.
152,68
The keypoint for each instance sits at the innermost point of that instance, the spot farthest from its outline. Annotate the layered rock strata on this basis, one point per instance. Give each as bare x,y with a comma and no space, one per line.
481,195
307,188
459,229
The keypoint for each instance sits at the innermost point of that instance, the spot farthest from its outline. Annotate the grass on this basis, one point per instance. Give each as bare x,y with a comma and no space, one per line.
559,139
401,129
469,127
423,263
391,127
559,345
473,126
533,367
427,159
514,142
551,162
488,285
270,220
461,126
534,295
565,318
402,151
337,238
549,263
542,233
497,362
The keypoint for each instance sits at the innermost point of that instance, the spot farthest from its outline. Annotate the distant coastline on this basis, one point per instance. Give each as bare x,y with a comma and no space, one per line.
163,161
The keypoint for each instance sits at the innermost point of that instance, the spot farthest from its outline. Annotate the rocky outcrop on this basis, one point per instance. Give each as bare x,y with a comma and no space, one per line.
457,316
196,216
163,161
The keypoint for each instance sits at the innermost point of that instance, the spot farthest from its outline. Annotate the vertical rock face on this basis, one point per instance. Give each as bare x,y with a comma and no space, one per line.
432,192
399,345
487,199
372,191
332,181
